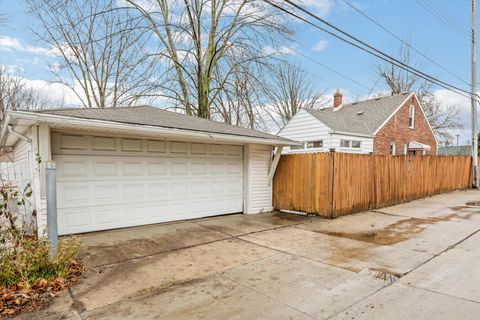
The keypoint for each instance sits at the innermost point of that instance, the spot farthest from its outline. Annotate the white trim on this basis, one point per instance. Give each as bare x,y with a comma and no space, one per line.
393,113
394,149
426,119
273,165
298,112
134,128
354,134
411,115
421,109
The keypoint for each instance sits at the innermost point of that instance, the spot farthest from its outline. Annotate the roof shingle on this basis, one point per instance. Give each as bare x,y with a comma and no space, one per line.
151,116
363,117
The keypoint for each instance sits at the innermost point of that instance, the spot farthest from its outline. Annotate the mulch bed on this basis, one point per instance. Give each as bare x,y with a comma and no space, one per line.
19,298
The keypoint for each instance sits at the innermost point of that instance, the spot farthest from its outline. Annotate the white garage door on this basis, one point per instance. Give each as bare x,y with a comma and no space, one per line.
106,183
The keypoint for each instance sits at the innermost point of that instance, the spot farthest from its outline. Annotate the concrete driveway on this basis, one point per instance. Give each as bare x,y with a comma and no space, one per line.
416,260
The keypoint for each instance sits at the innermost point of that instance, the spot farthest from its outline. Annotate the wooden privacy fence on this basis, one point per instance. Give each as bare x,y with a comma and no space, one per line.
335,184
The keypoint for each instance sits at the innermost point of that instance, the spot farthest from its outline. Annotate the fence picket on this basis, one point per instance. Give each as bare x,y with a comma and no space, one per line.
335,184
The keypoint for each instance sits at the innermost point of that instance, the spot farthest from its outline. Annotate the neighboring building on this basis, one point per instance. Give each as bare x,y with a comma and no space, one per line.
455,151
122,167
387,125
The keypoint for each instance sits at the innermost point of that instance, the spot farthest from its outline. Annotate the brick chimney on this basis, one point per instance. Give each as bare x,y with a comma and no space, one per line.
337,99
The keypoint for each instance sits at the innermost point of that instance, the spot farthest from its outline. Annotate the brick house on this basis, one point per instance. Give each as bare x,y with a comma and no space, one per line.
392,125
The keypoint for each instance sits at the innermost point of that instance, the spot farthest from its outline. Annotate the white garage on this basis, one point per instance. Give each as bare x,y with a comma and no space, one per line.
126,167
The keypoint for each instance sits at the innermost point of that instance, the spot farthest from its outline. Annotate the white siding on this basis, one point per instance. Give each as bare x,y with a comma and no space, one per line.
258,193
366,143
20,151
19,173
305,127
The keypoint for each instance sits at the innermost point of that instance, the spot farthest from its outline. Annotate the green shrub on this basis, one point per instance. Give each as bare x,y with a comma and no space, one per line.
27,259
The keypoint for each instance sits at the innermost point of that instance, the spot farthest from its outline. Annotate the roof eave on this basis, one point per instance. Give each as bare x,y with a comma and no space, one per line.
138,128
353,134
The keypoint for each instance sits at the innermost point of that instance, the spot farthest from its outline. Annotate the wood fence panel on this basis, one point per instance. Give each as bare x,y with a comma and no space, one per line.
335,184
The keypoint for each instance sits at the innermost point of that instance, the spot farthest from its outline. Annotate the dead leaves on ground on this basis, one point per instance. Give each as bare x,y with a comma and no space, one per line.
22,297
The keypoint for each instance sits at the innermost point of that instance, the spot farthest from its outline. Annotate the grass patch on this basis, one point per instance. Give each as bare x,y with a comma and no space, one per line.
30,276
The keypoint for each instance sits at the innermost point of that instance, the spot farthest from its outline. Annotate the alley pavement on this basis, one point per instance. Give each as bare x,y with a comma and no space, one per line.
417,260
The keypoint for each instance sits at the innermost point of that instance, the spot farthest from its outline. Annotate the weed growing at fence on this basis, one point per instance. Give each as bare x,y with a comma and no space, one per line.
29,274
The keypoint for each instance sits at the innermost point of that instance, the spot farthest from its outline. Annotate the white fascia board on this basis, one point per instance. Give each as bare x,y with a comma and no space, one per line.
298,112
145,129
354,134
426,119
421,108
394,112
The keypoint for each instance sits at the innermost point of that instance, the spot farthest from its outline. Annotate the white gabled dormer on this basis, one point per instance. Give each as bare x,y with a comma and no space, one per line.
305,127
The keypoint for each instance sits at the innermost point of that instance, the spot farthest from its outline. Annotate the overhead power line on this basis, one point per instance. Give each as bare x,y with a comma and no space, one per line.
442,17
403,41
330,69
366,47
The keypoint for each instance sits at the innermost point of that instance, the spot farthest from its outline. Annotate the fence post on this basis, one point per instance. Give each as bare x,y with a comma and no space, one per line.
331,180
51,194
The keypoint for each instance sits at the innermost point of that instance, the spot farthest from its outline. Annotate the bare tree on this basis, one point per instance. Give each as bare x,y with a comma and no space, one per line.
289,90
240,103
103,55
443,118
205,41
15,94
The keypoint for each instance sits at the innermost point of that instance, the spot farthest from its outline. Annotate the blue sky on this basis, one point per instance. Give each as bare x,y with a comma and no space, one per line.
406,18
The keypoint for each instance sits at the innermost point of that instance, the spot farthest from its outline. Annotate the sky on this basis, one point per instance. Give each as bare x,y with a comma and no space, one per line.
441,35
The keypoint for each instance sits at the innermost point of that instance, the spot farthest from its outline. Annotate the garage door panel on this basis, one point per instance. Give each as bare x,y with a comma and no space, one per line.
75,220
179,168
179,189
73,169
104,168
105,193
131,168
107,215
157,168
158,190
72,195
133,191
176,181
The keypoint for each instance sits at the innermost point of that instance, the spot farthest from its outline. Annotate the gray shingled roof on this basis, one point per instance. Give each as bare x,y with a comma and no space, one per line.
454,151
151,116
363,117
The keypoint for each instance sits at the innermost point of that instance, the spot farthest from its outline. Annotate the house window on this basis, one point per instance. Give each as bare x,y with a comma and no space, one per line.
345,143
350,144
315,144
405,149
392,148
411,117
297,147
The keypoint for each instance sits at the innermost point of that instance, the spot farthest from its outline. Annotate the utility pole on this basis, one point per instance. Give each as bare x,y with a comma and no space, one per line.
474,102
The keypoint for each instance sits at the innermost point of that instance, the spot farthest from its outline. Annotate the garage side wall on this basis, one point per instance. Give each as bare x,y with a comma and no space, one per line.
258,189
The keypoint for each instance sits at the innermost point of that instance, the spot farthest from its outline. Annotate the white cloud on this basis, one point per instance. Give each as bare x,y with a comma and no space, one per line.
278,51
55,92
13,44
320,45
322,7
13,69
464,118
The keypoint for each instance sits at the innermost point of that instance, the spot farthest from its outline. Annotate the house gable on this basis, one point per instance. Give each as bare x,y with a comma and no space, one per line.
396,129
303,126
